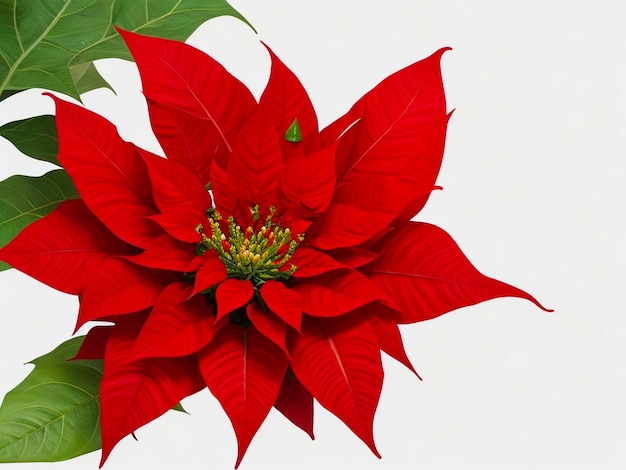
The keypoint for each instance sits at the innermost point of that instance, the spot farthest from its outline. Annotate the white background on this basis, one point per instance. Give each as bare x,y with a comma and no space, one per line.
533,180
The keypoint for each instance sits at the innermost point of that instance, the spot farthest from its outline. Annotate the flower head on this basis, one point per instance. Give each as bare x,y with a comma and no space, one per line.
263,259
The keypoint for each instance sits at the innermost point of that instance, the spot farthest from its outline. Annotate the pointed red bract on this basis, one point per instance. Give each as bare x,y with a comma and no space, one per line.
244,370
187,140
310,262
232,294
383,321
354,257
211,272
181,77
175,189
431,149
296,403
255,163
400,132
133,393
285,100
338,361
285,303
176,326
386,198
118,287
165,252
269,325
336,293
310,181
343,225
225,192
362,210
178,225
64,248
109,174
427,275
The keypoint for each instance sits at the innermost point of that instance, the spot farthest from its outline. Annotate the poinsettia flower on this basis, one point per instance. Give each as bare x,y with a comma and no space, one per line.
263,259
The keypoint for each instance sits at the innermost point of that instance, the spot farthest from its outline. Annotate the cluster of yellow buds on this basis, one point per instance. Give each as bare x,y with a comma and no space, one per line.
258,255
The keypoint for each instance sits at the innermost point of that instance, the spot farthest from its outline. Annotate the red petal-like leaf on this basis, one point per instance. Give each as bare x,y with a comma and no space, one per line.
285,303
94,344
177,75
164,252
354,257
232,294
179,225
210,273
383,320
432,150
401,131
336,293
109,174
310,262
426,273
342,226
285,100
338,361
296,403
256,162
310,181
405,101
133,393
388,197
64,248
225,191
176,326
268,324
118,287
363,209
244,370
192,142
176,189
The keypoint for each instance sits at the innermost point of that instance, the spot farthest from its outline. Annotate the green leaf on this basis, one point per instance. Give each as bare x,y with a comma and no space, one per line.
35,137
179,407
41,40
294,133
54,414
24,199
6,93
87,78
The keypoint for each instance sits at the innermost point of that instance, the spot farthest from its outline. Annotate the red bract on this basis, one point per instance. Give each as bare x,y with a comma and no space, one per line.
262,259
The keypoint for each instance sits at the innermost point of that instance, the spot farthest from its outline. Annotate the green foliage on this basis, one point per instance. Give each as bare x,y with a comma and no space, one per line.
42,41
24,199
54,414
87,78
35,137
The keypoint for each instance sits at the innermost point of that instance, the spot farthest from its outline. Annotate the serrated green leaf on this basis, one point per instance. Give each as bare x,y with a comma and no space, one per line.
41,39
35,137
87,78
24,199
54,414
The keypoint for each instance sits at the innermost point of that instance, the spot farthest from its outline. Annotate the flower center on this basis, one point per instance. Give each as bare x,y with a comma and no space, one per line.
258,254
